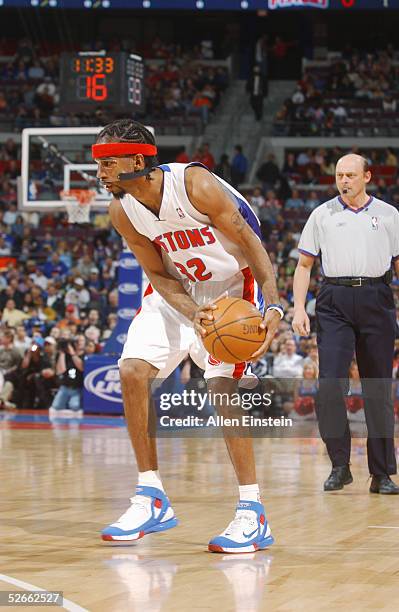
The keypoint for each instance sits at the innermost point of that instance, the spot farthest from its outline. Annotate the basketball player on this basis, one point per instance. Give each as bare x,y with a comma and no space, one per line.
196,238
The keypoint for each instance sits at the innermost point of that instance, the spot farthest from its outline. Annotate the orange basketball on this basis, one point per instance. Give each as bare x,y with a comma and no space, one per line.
234,334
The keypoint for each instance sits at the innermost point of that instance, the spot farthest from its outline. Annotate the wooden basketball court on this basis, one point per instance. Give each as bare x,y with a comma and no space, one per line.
60,485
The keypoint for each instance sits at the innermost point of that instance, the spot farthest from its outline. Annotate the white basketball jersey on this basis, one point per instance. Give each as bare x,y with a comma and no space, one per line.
192,249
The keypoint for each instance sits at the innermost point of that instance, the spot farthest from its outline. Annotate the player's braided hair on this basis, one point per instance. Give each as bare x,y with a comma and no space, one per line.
127,130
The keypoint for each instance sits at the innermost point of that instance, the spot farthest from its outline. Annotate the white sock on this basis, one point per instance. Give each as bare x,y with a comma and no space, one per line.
151,478
249,492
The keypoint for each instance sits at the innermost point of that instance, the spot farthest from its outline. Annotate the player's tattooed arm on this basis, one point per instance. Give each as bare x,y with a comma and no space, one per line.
207,195
238,221
148,257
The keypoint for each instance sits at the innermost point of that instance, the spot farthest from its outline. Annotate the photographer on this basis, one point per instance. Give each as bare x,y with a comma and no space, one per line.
10,360
69,369
38,374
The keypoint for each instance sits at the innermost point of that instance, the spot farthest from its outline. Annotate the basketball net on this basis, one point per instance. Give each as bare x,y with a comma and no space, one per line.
77,204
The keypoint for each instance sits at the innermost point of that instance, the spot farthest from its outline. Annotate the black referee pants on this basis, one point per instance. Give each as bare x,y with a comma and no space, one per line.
359,320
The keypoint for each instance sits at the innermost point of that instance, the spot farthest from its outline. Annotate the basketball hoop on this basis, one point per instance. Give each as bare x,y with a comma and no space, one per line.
77,204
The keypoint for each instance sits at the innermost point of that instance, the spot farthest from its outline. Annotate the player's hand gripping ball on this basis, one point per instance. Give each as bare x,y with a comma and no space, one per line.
234,334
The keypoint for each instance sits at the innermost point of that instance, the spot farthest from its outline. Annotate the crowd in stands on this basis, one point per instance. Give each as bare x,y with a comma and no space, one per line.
58,299
184,90
307,178
356,94
178,86
234,172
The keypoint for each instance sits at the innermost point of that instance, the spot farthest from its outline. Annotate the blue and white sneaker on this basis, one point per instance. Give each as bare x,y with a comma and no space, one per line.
150,512
249,531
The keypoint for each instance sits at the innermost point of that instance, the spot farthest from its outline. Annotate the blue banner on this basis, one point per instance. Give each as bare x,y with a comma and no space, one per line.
102,389
130,282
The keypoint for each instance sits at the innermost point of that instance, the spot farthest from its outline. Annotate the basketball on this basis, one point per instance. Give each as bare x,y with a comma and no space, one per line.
235,333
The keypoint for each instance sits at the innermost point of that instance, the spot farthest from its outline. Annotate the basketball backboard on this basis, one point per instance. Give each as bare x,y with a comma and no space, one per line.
55,160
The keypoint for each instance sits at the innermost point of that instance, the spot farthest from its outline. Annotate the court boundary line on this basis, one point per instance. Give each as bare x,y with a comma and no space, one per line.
67,603
383,527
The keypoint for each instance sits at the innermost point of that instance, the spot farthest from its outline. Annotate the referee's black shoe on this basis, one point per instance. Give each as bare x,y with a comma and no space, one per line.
339,477
383,485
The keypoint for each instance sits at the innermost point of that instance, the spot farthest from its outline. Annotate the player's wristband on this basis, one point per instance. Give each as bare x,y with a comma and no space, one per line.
278,307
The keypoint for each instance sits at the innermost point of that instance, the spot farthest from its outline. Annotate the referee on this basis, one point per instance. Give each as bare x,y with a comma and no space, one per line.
357,236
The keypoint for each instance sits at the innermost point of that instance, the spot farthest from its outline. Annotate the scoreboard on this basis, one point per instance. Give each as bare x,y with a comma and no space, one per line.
207,5
92,79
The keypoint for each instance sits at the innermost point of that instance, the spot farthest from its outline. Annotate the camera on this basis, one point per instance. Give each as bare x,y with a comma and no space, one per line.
63,344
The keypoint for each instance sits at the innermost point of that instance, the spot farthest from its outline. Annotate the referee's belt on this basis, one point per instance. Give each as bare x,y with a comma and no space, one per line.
358,281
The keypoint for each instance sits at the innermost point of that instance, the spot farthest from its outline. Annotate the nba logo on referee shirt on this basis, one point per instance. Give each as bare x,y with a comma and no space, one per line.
374,223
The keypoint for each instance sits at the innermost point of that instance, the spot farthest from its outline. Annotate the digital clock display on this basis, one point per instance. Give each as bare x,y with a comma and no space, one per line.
93,64
114,80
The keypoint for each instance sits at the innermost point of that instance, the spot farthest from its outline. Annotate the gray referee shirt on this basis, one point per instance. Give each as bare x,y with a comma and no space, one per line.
352,242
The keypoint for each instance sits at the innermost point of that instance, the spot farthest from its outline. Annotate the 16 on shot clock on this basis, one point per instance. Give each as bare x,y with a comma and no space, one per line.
91,79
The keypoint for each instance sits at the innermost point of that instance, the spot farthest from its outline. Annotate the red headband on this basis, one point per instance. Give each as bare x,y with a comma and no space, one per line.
111,149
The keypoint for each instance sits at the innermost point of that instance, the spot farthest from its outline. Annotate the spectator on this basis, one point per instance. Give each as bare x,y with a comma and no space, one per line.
12,316
309,178
70,318
38,374
36,71
304,158
10,216
306,391
290,167
312,201
10,360
203,104
257,200
77,295
11,292
69,369
85,265
22,341
54,299
39,279
295,202
257,90
268,173
239,166
93,333
206,157
90,348
272,203
54,267
391,158
94,284
340,113
288,364
182,157
223,168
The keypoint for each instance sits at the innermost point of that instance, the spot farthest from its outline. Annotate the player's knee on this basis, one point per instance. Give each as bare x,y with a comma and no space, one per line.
135,371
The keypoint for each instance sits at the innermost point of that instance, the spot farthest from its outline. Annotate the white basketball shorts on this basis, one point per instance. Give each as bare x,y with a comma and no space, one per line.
163,337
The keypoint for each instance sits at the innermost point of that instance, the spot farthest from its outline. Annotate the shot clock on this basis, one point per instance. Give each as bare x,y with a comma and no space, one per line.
111,80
